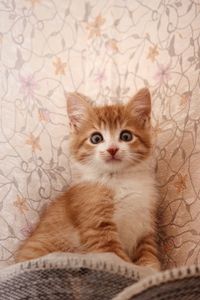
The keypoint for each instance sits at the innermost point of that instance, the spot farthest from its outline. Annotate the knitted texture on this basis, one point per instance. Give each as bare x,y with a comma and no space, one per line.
99,277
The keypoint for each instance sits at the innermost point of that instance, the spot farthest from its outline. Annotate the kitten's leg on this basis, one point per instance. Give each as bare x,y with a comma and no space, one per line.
33,247
50,235
87,209
104,238
147,253
95,223
41,243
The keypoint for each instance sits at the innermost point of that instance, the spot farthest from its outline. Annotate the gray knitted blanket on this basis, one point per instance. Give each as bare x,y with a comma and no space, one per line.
95,276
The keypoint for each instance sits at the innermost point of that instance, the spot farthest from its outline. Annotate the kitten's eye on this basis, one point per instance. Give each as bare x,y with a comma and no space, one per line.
126,136
96,138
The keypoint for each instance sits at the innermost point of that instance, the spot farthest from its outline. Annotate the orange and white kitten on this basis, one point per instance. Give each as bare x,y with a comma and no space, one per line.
112,205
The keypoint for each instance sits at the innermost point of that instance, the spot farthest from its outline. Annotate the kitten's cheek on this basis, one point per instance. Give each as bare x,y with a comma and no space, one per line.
98,157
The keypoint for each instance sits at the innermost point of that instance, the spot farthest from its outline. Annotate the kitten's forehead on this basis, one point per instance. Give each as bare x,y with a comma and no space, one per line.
114,118
110,117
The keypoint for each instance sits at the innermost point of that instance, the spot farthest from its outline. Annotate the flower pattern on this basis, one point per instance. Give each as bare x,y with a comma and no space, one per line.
106,50
34,142
28,85
26,231
94,27
20,203
112,45
153,53
162,75
180,184
44,115
59,66
100,76
34,2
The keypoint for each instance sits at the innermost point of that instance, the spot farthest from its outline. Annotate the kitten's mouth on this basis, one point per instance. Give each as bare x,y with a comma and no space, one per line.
113,159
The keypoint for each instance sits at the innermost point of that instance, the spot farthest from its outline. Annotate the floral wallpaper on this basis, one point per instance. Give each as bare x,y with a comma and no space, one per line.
107,50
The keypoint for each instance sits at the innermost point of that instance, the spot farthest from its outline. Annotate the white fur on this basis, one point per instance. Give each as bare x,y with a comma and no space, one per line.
135,196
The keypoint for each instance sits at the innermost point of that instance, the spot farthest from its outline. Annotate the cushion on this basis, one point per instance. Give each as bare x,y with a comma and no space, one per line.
61,276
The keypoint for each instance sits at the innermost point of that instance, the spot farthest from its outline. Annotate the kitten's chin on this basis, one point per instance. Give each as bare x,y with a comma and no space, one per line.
113,160
118,165
113,165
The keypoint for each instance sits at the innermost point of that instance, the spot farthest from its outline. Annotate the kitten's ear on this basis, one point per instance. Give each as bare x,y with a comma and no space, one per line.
77,109
140,106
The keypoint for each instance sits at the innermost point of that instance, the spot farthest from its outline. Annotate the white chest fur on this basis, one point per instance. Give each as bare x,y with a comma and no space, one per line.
135,198
134,202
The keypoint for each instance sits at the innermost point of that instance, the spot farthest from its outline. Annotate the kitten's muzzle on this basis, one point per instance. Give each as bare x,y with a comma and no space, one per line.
113,157
112,151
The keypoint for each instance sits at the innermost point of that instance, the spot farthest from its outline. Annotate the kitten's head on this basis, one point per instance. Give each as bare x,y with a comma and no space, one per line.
112,137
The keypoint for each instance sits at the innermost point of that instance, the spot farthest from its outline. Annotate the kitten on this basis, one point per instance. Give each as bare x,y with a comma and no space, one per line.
112,205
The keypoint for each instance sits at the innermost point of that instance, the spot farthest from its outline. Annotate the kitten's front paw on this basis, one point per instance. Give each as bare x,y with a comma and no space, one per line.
147,271
153,264
123,256
148,268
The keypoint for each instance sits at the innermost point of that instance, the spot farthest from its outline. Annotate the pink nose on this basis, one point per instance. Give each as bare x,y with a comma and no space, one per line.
112,151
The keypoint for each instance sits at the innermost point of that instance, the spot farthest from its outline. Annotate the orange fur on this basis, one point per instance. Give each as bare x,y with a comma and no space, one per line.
89,216
71,214
147,252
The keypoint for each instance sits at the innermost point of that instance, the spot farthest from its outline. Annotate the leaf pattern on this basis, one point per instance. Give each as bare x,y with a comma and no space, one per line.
106,50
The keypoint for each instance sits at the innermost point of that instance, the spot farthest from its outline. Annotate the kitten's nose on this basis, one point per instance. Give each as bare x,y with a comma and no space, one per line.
113,150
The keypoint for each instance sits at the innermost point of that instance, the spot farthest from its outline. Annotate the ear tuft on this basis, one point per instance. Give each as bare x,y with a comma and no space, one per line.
140,105
77,109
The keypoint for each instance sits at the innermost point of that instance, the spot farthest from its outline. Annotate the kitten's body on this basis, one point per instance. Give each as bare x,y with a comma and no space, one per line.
112,205
135,200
